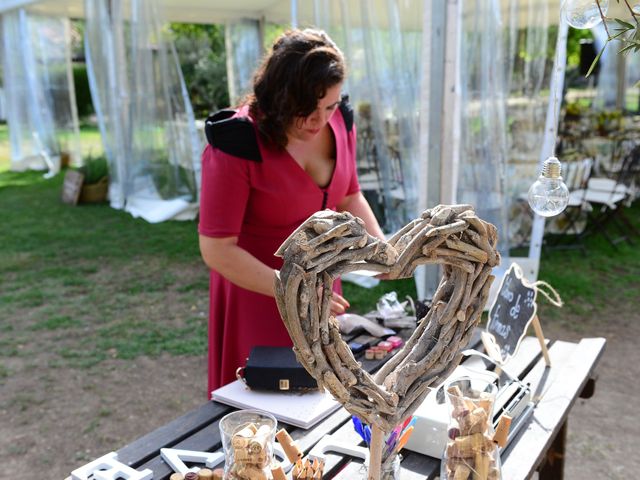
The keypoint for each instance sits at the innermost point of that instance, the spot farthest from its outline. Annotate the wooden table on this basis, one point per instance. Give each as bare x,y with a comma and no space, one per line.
538,447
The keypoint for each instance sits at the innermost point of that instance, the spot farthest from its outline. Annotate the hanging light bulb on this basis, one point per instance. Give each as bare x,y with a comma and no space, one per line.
583,14
548,196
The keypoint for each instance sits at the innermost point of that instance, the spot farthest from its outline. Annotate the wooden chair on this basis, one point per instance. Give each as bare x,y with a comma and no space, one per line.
568,226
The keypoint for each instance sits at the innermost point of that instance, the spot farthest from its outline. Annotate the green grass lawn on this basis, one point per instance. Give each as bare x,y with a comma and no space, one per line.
5,153
88,283
123,286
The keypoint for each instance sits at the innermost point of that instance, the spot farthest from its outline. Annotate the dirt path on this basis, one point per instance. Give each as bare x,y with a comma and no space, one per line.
604,430
56,419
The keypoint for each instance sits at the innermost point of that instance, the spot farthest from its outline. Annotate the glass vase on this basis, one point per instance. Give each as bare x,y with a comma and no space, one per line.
247,439
470,452
390,469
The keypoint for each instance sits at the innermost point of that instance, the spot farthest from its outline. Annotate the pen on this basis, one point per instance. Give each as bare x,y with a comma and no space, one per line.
404,438
361,429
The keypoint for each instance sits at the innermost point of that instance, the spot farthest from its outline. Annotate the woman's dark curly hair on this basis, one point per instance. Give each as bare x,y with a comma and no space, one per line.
297,72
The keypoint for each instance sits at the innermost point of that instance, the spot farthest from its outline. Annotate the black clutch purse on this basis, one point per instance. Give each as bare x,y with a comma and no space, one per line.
275,368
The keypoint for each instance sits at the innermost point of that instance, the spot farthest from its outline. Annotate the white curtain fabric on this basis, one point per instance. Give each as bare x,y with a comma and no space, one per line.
41,110
483,149
244,50
505,74
108,80
383,84
528,78
607,89
143,109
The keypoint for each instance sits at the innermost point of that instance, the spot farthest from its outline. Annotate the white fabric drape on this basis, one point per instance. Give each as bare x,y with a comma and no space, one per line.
143,110
244,50
606,91
41,110
483,156
383,84
528,79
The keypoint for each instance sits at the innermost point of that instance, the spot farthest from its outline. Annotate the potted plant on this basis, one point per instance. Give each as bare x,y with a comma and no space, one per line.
95,184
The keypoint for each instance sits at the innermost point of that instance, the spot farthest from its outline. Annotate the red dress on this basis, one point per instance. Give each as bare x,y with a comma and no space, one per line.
261,203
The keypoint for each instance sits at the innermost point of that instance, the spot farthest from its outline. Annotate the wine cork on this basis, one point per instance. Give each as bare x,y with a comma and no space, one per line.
502,431
481,467
291,450
176,476
458,400
462,472
467,446
241,438
218,474
278,473
243,456
485,401
205,474
251,473
258,442
474,422
494,474
191,476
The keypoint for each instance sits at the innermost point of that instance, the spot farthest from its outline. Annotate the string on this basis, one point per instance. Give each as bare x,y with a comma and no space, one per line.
556,300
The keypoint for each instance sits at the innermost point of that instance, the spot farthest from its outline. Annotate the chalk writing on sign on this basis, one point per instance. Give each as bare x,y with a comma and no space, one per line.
511,312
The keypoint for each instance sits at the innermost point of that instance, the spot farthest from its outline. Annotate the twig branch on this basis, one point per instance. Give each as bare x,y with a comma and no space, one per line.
604,20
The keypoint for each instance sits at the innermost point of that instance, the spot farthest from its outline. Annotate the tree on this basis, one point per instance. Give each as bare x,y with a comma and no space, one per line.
201,53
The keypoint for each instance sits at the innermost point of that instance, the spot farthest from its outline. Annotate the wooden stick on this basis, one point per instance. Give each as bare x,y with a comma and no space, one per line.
538,329
375,449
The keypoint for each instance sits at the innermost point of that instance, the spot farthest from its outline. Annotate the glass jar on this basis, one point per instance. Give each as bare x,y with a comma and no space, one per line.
390,469
247,439
470,452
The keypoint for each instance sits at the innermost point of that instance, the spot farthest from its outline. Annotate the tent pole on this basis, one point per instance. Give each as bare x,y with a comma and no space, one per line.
440,60
551,127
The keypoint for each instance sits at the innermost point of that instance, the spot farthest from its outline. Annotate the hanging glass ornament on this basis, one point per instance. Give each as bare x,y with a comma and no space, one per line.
583,14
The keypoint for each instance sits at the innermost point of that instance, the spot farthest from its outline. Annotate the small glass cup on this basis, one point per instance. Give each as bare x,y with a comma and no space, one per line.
470,449
390,469
248,439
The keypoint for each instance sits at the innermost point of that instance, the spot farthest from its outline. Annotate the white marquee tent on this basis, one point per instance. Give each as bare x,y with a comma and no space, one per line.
442,74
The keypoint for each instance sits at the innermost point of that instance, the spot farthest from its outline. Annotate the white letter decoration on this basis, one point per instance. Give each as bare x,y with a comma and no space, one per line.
176,458
108,467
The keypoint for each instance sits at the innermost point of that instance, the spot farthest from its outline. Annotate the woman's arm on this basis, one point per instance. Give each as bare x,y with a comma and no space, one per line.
357,205
236,264
244,270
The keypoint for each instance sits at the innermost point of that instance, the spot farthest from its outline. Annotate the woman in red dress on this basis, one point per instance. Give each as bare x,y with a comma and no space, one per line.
288,152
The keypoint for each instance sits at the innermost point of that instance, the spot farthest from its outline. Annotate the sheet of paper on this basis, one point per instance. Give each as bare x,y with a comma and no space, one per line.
303,410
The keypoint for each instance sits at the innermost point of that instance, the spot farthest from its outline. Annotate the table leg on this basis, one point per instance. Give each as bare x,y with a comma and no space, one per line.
553,468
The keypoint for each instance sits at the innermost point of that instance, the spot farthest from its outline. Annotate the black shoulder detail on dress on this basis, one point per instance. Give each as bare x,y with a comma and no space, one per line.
233,135
347,112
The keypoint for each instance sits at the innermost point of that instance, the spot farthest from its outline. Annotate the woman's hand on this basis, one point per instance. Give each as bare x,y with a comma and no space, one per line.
338,304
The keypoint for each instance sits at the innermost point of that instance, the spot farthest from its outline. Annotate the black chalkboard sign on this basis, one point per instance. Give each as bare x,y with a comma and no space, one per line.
510,315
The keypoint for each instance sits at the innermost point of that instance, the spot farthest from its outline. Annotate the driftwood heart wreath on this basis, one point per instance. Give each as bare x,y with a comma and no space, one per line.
329,244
